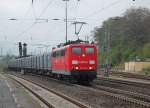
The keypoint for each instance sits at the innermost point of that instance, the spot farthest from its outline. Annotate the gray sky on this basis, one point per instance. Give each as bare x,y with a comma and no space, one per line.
26,29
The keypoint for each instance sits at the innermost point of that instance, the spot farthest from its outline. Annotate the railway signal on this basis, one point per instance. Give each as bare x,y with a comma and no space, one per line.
20,49
24,49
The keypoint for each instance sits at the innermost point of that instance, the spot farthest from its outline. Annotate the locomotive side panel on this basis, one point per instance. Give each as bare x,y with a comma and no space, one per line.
59,60
49,62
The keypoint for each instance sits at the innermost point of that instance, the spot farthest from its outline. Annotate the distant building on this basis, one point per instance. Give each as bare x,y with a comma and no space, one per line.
136,66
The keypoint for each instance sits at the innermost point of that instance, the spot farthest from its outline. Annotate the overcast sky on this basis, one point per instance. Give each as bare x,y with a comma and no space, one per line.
27,29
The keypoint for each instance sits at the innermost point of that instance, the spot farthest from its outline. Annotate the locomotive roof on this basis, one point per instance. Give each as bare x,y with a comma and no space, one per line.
71,45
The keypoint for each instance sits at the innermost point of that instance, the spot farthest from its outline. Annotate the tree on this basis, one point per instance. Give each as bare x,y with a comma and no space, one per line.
136,26
146,50
125,37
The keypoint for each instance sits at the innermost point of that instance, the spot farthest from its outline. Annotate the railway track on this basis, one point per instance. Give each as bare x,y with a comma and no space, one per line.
49,105
134,87
127,74
131,83
129,96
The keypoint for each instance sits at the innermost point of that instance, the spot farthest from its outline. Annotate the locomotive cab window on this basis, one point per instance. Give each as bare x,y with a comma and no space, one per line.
58,53
89,50
76,50
54,54
63,52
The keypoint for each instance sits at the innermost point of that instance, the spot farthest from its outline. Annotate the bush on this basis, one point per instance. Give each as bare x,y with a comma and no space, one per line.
147,71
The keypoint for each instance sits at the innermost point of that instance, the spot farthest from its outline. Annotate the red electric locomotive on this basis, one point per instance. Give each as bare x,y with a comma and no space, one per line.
76,61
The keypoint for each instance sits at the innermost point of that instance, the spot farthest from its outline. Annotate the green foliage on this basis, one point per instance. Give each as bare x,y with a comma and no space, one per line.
146,50
127,37
146,71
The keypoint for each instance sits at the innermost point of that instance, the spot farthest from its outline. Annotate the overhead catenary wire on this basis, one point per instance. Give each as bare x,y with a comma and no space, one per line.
40,15
22,20
34,13
76,7
42,12
26,13
28,10
102,9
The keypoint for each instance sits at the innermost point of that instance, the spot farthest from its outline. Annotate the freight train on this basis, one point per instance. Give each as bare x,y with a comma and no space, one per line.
74,61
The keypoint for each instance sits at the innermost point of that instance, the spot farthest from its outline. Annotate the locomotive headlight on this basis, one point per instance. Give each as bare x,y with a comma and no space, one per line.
76,68
74,62
90,67
91,62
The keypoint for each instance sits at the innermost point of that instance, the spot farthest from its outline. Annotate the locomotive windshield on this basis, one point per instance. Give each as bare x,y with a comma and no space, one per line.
89,50
76,50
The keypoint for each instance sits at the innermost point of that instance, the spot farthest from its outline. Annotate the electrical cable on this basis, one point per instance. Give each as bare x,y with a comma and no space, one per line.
76,7
33,10
26,13
102,9
39,16
43,11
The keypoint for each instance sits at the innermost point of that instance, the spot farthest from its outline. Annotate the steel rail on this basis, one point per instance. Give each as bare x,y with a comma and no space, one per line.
119,97
132,83
125,98
76,102
35,94
132,97
128,74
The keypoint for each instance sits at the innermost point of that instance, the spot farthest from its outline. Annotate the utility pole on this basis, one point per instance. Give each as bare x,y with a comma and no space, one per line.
108,44
66,20
20,49
109,47
105,52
